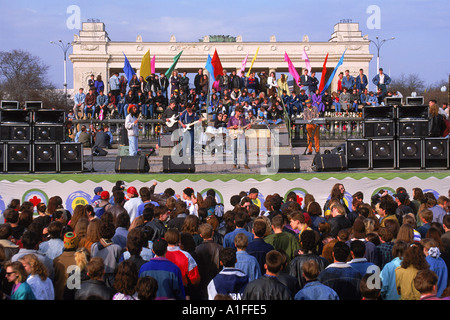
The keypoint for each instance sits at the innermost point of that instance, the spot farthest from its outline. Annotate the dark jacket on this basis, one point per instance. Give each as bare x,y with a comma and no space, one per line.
338,223
343,279
259,248
94,289
267,288
208,263
295,267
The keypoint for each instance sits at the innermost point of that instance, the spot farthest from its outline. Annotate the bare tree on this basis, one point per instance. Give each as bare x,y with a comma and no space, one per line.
407,84
24,77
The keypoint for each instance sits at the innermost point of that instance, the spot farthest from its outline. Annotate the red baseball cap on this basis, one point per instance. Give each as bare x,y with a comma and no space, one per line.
132,190
104,195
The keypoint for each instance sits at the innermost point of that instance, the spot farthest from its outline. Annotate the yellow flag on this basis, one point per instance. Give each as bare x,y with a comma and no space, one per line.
145,65
253,61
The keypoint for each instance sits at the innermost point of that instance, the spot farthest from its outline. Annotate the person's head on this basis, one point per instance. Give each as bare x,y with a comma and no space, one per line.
426,215
369,291
399,248
172,236
310,269
341,251
308,242
96,268
160,247
297,220
227,257
337,209
357,249
135,241
30,240
34,266
126,277
414,256
107,229
273,262
426,281
146,288
241,241
259,228
15,272
206,231
55,229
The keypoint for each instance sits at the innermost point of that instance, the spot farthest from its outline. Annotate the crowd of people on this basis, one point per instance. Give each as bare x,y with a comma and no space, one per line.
145,244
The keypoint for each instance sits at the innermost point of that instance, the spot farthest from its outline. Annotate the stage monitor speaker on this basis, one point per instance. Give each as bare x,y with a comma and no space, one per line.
48,133
132,164
393,101
45,157
2,157
436,153
412,112
414,101
170,167
410,153
49,116
286,163
379,112
378,128
165,140
5,104
358,153
412,128
383,154
13,116
33,105
19,157
15,132
70,157
329,162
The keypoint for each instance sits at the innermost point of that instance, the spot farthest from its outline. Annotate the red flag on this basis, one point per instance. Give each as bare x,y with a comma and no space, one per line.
215,61
324,71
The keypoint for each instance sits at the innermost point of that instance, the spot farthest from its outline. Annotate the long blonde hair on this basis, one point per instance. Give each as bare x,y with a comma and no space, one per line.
37,267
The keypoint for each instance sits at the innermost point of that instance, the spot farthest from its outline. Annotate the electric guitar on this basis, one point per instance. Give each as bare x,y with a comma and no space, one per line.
234,133
189,125
172,121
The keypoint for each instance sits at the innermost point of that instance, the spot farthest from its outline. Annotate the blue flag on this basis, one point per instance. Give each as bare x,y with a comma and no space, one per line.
129,72
341,61
209,67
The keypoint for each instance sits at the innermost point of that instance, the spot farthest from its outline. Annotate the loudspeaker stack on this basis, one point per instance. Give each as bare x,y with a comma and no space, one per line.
395,136
32,140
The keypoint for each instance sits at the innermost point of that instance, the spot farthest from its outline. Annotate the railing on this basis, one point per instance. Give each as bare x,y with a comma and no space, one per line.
336,128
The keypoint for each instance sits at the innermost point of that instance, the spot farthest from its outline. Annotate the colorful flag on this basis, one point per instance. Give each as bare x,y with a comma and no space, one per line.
209,67
127,69
244,64
291,67
145,65
215,61
341,61
172,67
307,63
324,71
152,64
253,61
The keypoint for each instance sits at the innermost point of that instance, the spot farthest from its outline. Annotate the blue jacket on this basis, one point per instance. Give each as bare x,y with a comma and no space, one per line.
388,285
168,276
248,264
314,290
230,281
361,86
440,268
259,248
348,83
228,240
376,79
343,279
360,265
102,100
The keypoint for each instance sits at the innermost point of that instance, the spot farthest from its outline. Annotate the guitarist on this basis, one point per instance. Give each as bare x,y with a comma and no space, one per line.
237,121
171,111
188,116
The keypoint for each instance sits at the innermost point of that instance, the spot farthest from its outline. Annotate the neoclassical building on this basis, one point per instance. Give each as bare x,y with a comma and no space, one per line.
95,53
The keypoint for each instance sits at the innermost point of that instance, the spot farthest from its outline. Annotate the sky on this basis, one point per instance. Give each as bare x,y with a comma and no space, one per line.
420,27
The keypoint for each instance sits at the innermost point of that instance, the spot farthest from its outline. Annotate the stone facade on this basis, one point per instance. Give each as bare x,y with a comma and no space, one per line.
94,53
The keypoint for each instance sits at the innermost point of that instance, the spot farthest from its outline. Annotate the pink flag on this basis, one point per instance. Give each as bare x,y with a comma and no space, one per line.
305,57
244,64
292,70
152,65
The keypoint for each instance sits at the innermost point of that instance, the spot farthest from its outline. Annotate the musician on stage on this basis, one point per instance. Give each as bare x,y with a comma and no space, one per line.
309,113
236,122
185,121
171,111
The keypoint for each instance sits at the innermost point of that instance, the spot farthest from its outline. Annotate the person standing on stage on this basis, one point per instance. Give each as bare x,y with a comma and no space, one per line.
188,117
311,112
236,122
131,124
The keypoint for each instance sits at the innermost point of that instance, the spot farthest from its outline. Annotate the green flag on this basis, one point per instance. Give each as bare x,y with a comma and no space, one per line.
172,67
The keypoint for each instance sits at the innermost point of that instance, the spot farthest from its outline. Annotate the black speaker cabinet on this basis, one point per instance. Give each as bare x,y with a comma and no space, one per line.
436,153
132,164
412,128
45,157
378,128
2,157
5,104
15,116
33,105
412,112
49,132
414,101
410,153
70,157
393,101
383,153
379,112
329,162
358,153
170,167
49,116
15,132
19,157
285,163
